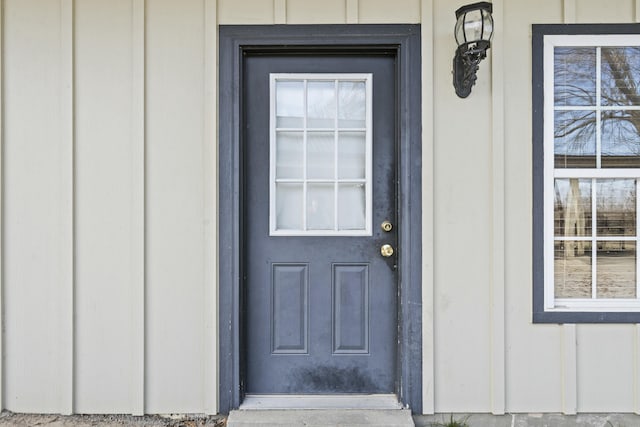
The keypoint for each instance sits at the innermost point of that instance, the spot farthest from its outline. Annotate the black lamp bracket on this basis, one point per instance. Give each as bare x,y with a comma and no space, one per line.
466,63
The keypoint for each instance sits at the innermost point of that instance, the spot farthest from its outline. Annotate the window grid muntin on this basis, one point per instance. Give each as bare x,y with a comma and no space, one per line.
598,111
366,78
336,166
551,173
305,142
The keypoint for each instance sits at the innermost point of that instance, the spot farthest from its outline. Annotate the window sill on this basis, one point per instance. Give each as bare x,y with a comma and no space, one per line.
586,317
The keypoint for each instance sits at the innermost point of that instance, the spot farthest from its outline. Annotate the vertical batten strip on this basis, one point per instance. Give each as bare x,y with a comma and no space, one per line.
636,369
138,205
210,160
569,11
636,341
351,11
67,218
498,216
1,204
428,368
279,11
569,370
568,331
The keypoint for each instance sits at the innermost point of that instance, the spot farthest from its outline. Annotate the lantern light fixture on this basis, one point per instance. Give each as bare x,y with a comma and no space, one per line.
473,31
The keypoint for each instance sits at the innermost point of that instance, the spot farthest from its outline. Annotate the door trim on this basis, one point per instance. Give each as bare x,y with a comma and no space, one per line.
235,42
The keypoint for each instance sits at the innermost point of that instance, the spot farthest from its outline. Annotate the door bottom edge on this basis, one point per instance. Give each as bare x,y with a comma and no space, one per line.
320,401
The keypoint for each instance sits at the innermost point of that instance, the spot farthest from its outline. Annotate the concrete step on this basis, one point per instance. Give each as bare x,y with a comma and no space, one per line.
321,418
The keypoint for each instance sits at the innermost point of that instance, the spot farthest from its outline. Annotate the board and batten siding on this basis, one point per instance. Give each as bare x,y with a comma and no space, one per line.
108,138
108,132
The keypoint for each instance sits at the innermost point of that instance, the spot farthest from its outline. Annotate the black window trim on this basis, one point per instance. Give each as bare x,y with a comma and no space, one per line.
539,313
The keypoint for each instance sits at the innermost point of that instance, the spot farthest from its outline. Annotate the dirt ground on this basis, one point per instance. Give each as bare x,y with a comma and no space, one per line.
28,420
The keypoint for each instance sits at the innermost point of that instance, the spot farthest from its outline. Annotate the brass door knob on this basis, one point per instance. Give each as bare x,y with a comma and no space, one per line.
386,250
386,226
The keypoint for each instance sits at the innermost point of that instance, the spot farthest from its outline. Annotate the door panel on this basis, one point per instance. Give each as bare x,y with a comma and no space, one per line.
350,301
289,316
320,311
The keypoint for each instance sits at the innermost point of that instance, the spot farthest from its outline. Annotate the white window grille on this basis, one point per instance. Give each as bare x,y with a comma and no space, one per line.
320,154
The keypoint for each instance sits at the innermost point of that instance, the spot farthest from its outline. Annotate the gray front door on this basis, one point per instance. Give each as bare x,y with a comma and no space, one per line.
319,168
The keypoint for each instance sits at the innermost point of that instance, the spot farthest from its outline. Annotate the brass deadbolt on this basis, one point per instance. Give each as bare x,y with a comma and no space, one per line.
386,226
386,250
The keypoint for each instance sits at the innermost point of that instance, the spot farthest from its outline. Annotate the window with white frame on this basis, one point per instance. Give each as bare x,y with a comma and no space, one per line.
590,137
320,154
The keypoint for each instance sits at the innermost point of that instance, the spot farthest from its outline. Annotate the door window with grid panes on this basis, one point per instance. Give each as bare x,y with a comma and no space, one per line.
320,154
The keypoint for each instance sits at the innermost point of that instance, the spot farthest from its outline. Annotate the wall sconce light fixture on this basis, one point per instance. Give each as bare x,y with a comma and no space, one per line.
474,28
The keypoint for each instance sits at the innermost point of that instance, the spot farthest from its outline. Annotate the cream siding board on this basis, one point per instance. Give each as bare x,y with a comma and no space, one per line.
533,352
569,11
246,12
496,280
175,229
636,377
1,186
569,369
385,12
605,365
428,271
351,11
316,12
104,205
593,11
74,199
605,368
109,210
462,183
37,204
210,202
137,304
279,11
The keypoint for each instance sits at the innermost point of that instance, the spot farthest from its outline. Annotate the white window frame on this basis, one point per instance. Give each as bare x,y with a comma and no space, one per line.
367,78
552,304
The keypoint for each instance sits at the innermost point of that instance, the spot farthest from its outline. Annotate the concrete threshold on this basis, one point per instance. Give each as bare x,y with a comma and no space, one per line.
321,418
320,401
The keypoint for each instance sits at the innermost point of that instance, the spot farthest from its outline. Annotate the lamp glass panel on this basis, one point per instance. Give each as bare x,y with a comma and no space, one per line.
473,25
459,30
488,26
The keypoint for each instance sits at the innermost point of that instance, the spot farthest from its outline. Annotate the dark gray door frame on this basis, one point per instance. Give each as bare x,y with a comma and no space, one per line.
235,43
